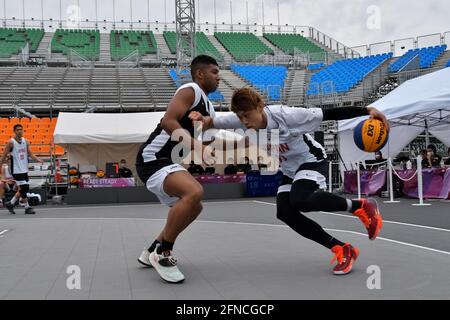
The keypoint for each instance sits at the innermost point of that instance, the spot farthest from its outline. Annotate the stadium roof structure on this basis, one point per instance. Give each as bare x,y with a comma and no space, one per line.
419,104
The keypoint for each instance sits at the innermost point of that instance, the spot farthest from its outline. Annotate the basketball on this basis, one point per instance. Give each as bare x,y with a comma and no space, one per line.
100,174
370,135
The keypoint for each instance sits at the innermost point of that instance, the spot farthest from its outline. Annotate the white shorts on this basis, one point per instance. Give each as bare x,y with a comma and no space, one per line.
314,171
155,183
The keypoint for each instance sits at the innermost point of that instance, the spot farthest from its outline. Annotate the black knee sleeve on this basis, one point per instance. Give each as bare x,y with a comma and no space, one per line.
301,205
24,191
301,193
284,208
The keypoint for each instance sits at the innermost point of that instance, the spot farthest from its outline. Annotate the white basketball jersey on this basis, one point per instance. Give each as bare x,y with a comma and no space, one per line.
19,157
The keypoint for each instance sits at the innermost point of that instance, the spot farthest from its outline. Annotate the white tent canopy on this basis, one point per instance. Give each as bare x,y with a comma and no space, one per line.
418,104
97,138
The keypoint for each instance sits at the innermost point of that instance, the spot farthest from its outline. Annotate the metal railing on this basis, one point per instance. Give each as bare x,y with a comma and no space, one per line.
399,47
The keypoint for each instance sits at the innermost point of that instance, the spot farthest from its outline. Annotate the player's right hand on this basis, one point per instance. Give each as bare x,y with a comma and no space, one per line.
196,116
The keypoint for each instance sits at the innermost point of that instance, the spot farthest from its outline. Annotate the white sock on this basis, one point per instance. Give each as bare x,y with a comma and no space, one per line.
14,200
349,205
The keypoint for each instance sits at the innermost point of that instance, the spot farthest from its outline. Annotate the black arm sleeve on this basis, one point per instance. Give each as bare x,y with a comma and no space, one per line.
344,113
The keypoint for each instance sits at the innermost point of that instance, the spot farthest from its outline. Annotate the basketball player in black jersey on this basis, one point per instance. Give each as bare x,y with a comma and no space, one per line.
169,181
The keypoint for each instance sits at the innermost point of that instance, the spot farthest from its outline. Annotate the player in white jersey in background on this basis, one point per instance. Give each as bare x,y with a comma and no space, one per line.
19,148
7,182
304,164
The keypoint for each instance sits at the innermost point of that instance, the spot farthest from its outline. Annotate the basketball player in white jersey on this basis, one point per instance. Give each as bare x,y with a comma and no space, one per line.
170,182
303,162
19,148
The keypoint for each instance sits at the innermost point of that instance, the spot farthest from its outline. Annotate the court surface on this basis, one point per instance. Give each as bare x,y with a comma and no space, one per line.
236,250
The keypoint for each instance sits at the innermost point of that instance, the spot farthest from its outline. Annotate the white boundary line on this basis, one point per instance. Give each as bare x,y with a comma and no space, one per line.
3,232
384,221
137,205
248,224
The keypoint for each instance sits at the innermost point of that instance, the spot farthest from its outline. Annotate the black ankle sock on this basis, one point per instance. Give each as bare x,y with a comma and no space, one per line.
153,246
165,246
356,204
335,242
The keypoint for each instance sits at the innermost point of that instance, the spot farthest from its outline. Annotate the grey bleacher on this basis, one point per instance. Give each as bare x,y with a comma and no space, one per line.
81,87
295,87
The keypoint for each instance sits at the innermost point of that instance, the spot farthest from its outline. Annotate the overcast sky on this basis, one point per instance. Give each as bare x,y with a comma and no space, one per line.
352,22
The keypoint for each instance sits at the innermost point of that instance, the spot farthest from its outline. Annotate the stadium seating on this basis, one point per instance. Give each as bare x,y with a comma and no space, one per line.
344,74
38,131
13,40
84,42
122,43
289,42
268,79
203,45
244,47
216,96
316,66
448,64
427,57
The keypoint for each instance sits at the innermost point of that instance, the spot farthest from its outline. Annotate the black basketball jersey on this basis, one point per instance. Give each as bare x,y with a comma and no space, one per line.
159,145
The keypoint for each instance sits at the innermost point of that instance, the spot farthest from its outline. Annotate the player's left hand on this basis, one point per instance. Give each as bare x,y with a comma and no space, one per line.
376,114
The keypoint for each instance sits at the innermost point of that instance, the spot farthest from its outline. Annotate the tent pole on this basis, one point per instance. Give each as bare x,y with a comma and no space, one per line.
358,173
391,183
427,134
420,184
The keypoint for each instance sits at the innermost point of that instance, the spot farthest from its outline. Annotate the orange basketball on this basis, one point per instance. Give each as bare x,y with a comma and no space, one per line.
370,135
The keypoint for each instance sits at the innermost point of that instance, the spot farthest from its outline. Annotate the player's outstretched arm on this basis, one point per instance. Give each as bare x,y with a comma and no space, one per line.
354,112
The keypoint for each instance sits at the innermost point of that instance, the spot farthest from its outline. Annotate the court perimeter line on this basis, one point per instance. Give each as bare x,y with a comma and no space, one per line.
352,217
248,224
137,205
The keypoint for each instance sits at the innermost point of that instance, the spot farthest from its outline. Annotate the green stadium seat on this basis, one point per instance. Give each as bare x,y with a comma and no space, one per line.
122,43
84,42
244,47
288,43
12,40
203,45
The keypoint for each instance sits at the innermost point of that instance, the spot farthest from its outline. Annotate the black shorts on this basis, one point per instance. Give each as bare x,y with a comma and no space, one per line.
314,171
21,178
147,169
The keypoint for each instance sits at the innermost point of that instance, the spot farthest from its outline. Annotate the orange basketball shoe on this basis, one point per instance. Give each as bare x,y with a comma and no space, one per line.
370,216
345,255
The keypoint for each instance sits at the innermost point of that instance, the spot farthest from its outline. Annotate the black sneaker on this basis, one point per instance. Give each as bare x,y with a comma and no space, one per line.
29,210
10,207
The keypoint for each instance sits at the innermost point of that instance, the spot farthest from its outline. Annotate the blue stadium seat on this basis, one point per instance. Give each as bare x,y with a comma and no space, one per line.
343,75
427,56
213,96
448,64
316,66
269,79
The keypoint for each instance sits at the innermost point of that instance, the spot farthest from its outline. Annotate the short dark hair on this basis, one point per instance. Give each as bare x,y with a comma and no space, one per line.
201,61
432,147
17,126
